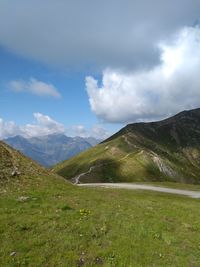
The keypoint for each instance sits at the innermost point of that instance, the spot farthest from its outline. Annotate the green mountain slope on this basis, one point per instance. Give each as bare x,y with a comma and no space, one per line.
46,221
155,151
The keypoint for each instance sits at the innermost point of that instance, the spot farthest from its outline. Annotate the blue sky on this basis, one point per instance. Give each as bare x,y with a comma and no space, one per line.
90,67
71,109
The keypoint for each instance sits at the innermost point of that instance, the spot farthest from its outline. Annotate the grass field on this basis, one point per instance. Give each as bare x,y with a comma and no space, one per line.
44,221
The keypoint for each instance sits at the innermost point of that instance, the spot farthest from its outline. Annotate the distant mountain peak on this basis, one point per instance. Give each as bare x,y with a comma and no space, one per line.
51,149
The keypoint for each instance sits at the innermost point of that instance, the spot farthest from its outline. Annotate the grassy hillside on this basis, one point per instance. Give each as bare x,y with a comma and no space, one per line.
168,150
13,165
46,221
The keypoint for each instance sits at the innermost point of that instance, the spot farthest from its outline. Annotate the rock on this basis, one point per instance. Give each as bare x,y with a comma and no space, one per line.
98,261
12,254
15,172
23,198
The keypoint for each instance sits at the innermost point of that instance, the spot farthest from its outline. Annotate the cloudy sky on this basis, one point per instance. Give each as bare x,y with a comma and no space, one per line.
89,67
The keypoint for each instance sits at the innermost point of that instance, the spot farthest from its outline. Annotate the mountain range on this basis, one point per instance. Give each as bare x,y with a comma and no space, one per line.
47,221
167,150
51,149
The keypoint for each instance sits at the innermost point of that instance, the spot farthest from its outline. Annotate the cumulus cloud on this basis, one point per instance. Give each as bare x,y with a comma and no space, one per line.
45,125
8,129
169,87
35,87
78,130
97,131
106,33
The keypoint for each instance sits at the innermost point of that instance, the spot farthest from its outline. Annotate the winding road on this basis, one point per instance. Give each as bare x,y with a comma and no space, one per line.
189,193
82,174
131,186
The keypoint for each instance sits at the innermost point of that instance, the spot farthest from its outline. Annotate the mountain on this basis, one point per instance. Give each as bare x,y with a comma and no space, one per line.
46,221
167,150
14,164
51,149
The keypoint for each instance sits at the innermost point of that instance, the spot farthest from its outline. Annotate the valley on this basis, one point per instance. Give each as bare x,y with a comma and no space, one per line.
88,212
100,133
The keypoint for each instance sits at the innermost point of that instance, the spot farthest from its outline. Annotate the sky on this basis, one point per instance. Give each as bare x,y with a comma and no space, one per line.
89,67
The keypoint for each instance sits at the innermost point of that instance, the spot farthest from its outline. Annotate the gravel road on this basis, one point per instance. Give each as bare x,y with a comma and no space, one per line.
189,193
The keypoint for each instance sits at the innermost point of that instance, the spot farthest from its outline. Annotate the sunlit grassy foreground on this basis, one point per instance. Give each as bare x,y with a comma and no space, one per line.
48,222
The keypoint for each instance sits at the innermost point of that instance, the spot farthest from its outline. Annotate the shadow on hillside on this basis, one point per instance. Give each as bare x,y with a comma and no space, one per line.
104,170
107,170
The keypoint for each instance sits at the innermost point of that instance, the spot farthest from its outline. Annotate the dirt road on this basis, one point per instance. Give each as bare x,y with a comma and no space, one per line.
189,193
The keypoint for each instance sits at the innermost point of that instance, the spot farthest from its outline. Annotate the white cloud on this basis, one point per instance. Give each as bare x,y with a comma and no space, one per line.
35,87
8,129
78,130
103,33
171,86
97,131
45,125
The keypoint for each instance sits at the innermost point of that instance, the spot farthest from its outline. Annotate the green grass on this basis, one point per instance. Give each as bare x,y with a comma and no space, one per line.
132,162
48,222
12,160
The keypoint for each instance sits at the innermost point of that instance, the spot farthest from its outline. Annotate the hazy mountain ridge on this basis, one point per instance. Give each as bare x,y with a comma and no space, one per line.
154,151
51,149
